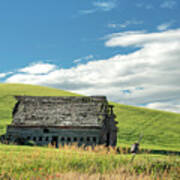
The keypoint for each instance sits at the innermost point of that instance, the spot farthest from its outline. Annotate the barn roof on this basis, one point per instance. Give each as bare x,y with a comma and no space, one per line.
61,111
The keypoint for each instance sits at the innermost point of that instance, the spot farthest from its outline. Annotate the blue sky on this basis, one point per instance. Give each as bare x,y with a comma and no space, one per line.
120,48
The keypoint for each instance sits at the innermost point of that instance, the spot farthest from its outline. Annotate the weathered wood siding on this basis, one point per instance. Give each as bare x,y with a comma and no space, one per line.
44,136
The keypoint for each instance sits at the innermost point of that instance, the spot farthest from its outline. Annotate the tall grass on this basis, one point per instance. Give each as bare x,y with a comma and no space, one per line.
21,162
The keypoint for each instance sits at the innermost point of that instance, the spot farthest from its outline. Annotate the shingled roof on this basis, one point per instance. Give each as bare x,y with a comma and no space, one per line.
73,111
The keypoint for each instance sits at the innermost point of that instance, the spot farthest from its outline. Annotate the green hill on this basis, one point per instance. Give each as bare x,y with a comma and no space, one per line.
160,130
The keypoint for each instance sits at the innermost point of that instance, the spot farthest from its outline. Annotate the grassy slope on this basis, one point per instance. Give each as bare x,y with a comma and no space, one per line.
161,130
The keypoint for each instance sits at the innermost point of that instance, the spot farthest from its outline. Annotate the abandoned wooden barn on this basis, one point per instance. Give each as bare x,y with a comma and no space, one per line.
59,120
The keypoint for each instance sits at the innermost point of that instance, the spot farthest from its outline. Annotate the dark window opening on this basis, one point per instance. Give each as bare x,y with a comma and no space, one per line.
62,139
28,138
94,139
46,130
75,139
40,138
88,139
54,141
47,138
85,100
34,138
108,138
81,139
69,139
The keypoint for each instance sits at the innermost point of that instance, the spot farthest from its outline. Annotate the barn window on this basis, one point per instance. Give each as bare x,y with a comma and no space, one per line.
94,139
69,139
81,139
28,138
46,130
34,138
40,138
75,139
62,139
47,138
88,139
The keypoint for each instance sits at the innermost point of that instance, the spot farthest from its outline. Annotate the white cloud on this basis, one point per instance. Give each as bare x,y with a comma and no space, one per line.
168,4
2,75
165,26
141,38
107,5
125,24
86,58
77,60
112,25
89,57
38,68
164,106
150,75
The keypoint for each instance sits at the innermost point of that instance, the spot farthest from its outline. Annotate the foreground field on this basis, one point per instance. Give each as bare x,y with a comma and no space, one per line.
160,130
21,162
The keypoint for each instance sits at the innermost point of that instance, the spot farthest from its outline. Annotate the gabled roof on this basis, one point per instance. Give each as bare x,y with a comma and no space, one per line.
74,111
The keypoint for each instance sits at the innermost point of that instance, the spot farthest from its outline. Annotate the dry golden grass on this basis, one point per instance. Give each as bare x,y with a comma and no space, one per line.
117,176
72,162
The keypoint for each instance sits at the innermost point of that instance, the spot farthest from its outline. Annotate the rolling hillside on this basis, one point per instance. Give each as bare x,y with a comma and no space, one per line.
159,130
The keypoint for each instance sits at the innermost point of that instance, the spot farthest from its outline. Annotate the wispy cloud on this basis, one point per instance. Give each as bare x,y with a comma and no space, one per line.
4,75
168,4
105,5
164,26
125,24
144,5
86,58
88,11
100,6
141,77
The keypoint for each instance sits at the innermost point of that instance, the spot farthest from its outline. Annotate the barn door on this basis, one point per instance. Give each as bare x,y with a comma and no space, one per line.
54,141
108,139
